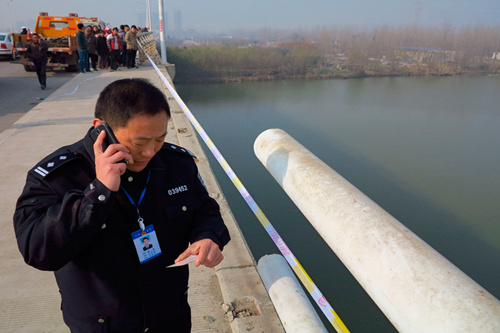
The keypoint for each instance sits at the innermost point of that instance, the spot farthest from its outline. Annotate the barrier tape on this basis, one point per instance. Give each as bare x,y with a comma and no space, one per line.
313,290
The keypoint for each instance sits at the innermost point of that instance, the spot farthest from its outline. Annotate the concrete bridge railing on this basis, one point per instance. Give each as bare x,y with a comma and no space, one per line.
147,45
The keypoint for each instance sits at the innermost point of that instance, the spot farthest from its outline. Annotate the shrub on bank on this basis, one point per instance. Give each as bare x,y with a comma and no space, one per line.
225,63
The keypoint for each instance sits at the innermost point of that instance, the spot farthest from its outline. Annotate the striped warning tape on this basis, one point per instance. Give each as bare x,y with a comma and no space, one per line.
280,243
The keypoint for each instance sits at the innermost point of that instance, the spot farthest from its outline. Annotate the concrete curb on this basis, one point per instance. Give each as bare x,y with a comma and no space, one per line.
240,283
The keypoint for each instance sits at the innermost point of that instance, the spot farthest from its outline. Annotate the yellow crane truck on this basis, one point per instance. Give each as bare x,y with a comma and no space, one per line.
59,33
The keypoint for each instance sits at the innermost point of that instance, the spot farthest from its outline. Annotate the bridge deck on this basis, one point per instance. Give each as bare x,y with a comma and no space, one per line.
29,299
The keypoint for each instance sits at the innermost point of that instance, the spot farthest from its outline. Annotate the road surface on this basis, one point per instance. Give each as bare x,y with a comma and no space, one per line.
20,90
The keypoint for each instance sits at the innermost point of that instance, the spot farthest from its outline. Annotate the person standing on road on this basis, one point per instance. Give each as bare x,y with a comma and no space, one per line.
102,50
83,53
132,46
92,46
37,52
122,33
84,214
126,29
114,46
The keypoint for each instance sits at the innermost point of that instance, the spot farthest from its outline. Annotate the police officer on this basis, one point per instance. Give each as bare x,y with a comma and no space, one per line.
85,210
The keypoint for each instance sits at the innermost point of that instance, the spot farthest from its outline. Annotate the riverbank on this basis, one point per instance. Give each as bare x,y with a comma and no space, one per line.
331,76
294,61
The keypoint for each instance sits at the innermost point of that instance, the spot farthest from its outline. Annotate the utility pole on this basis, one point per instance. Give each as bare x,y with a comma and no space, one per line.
10,17
162,34
148,14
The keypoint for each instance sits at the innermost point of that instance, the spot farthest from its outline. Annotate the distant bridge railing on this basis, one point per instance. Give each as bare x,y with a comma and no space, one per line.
147,42
416,287
147,47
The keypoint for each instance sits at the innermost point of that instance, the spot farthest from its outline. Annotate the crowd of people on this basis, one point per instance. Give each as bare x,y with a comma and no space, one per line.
107,48
100,48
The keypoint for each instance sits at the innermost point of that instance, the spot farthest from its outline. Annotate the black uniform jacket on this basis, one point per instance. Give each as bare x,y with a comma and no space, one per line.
67,221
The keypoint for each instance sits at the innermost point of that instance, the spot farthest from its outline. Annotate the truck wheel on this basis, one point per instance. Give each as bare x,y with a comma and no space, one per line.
29,68
71,68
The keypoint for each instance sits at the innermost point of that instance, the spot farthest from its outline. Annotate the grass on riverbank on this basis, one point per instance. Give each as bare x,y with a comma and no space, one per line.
230,63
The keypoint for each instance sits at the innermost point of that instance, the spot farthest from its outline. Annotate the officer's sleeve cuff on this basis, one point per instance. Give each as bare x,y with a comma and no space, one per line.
98,193
100,198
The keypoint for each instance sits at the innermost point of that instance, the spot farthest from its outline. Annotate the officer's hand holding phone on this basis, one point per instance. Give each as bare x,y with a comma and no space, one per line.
110,158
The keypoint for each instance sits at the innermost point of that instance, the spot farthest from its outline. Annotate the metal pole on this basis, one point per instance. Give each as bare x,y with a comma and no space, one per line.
148,14
162,34
10,18
415,286
147,7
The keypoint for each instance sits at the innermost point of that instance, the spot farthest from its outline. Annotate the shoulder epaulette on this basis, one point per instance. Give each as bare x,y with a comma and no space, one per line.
52,162
179,149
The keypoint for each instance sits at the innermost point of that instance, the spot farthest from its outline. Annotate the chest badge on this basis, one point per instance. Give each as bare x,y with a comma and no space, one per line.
178,189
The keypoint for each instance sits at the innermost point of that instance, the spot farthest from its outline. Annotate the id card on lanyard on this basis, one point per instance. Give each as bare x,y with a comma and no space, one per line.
146,244
145,240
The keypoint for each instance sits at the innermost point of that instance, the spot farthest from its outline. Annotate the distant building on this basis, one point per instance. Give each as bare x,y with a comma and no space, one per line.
496,56
427,55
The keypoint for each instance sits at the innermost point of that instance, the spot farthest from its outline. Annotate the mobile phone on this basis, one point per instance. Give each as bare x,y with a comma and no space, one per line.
108,140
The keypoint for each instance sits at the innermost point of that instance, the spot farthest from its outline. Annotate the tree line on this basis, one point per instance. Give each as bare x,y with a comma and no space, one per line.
345,52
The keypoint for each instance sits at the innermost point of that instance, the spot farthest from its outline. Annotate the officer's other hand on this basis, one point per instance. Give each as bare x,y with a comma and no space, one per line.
208,253
107,168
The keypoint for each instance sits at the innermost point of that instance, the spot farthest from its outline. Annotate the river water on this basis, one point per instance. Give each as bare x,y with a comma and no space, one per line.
426,149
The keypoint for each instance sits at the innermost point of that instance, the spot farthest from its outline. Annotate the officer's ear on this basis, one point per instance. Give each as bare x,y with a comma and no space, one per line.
96,122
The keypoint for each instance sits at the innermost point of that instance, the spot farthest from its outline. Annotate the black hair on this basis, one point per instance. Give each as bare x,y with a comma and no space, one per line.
133,27
80,26
126,98
122,27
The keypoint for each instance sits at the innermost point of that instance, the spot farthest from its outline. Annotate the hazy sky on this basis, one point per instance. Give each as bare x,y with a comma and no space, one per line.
226,15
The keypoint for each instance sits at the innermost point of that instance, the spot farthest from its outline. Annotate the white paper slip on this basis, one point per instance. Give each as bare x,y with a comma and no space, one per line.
186,261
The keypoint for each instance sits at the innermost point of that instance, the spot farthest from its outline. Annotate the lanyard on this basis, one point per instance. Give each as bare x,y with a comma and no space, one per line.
140,220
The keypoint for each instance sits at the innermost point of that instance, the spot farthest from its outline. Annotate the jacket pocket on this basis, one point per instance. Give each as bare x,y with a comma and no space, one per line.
181,207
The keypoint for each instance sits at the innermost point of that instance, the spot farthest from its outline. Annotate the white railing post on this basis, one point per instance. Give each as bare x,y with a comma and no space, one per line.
296,312
416,287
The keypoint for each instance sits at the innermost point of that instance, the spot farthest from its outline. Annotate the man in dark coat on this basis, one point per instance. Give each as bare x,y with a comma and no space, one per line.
83,51
102,50
92,47
37,52
84,213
